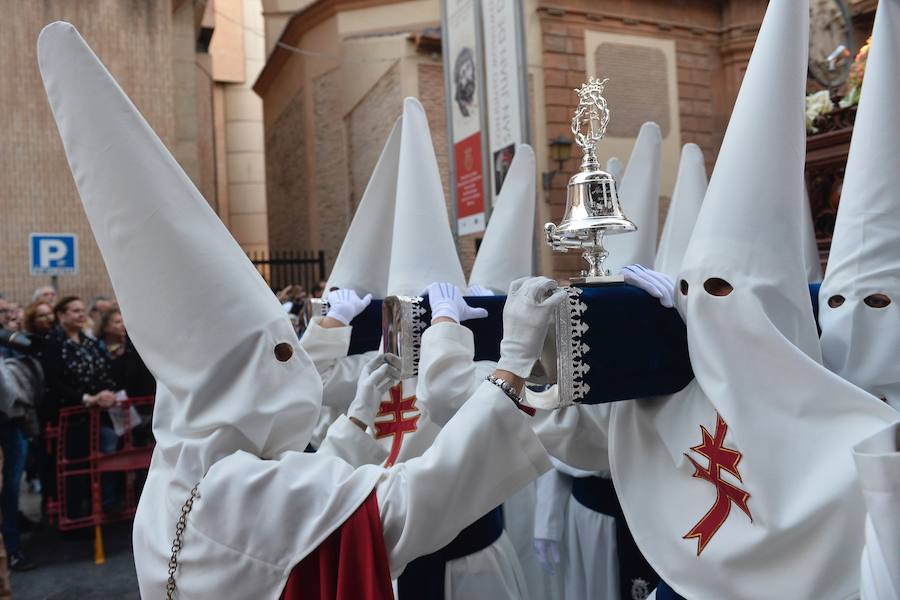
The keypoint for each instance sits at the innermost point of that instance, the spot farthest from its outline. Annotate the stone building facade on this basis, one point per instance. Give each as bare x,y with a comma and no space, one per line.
278,109
677,63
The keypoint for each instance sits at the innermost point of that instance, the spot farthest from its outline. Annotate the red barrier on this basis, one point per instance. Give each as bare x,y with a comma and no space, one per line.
83,471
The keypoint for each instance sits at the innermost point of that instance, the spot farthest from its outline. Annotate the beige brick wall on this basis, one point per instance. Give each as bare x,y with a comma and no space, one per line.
37,193
368,125
711,45
332,187
286,179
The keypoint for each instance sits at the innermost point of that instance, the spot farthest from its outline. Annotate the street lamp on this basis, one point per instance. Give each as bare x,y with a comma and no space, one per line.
560,151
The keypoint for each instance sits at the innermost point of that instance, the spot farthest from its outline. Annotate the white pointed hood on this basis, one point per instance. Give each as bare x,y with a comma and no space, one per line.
639,196
690,187
615,168
860,341
234,385
423,250
506,250
364,260
755,454
810,247
196,308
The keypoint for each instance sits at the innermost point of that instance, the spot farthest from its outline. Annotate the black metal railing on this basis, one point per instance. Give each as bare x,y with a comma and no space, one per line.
281,268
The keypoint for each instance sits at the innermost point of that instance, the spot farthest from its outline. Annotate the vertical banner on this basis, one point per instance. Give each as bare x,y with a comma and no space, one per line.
463,81
507,84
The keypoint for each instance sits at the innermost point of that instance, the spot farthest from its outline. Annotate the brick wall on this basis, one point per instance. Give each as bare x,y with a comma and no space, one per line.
37,193
368,125
711,53
332,189
286,180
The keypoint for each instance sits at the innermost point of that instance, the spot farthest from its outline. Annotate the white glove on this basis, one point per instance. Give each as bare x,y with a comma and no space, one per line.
530,304
446,300
659,285
377,377
547,552
477,290
345,304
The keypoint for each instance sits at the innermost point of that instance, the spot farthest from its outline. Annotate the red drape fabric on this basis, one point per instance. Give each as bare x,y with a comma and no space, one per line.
351,564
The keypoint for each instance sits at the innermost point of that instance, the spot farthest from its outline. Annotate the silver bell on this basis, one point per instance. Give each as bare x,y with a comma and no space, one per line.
592,203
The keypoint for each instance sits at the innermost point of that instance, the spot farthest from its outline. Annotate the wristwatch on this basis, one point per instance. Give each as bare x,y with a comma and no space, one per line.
510,391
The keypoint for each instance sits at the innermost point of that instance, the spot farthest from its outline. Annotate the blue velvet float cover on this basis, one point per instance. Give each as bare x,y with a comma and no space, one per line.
637,347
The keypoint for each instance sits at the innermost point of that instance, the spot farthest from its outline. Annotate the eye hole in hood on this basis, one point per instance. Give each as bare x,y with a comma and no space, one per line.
717,287
877,300
684,287
835,301
283,352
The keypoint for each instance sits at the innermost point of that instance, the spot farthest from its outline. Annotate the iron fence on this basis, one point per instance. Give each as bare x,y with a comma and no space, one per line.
281,268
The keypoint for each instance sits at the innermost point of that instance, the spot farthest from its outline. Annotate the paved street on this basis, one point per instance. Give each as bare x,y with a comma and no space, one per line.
66,564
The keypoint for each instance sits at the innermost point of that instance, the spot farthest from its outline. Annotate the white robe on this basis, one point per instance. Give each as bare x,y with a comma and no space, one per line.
581,437
447,374
493,573
587,539
234,550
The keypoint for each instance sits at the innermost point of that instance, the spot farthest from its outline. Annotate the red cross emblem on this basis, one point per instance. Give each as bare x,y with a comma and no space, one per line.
720,457
399,424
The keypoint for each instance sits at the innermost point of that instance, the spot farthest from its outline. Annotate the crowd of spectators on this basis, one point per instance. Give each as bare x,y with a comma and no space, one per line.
79,356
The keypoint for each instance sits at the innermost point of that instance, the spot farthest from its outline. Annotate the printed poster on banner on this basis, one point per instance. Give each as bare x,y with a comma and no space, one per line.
505,81
463,65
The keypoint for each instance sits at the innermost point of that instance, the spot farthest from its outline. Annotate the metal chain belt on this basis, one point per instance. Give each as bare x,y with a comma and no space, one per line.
178,541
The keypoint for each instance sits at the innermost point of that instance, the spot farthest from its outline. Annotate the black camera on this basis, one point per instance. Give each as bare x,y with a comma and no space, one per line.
17,341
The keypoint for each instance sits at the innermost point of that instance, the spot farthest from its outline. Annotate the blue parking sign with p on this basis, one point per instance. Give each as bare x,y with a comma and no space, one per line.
53,253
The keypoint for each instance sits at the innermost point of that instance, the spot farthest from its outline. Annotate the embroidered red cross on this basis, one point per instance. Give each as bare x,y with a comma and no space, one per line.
399,424
720,457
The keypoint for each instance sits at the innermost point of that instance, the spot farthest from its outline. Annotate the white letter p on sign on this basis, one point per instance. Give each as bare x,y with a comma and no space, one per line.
51,251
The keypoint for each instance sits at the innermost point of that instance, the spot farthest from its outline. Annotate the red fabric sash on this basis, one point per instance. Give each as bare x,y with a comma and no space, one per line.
351,564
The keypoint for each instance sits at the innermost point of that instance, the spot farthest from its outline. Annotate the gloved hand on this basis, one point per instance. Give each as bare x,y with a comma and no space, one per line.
446,300
377,377
530,304
547,552
659,285
344,304
477,290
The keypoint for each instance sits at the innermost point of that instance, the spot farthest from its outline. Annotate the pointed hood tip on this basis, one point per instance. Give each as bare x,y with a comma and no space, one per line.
364,260
420,213
651,128
413,102
778,62
54,28
524,151
506,249
692,150
868,204
639,196
50,36
687,198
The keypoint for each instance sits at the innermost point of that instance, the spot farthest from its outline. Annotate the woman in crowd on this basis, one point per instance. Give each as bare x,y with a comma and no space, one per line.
77,373
126,367
39,319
